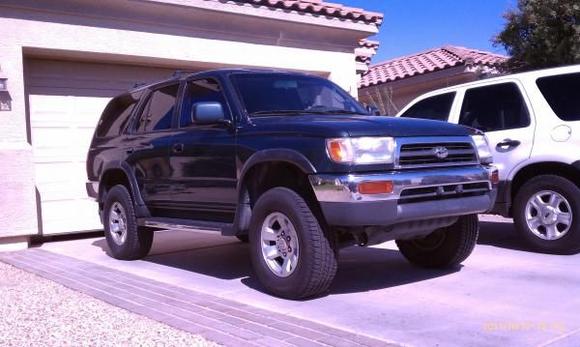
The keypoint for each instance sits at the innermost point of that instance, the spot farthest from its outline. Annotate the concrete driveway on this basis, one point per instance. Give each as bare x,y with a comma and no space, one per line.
503,295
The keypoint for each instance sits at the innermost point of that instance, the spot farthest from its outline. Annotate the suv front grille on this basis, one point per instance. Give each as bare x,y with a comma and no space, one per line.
426,154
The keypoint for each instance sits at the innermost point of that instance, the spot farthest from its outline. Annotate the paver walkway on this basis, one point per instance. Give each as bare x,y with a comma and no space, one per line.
223,321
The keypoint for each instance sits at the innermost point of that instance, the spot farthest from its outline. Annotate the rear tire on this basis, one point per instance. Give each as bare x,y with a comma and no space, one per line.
444,248
546,225
292,256
125,239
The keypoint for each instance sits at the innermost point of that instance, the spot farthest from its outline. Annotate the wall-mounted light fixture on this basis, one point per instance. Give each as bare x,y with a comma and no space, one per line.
3,83
5,99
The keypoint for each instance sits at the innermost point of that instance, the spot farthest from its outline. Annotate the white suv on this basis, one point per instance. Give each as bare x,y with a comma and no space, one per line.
532,122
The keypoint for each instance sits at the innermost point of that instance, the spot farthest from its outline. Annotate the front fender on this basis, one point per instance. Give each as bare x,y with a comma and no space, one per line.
270,155
243,210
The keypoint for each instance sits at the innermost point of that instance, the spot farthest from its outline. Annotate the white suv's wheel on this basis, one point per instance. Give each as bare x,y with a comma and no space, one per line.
546,213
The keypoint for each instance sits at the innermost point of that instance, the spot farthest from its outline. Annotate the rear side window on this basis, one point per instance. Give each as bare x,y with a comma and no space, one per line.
157,113
116,115
495,107
435,108
562,93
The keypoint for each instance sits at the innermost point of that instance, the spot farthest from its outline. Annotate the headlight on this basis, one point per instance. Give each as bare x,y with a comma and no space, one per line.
483,149
361,150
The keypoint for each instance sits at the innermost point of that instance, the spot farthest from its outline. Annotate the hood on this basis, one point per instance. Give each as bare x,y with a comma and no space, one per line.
354,126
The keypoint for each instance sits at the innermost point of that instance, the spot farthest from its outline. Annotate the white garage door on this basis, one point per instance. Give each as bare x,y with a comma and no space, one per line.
65,102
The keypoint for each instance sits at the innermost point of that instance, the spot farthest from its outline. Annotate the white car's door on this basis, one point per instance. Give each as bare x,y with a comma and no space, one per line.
503,112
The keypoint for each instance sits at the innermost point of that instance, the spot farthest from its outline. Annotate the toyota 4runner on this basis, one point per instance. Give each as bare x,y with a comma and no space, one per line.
291,163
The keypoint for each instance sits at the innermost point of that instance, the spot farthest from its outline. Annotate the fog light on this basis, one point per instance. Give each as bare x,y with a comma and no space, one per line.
376,187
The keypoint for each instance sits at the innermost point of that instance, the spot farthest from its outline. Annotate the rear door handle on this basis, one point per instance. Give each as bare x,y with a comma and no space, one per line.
130,150
178,148
507,144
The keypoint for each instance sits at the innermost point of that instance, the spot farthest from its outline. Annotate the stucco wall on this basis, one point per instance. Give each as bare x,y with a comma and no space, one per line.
81,35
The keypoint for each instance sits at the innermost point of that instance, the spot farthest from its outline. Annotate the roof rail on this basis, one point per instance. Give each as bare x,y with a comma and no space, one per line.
138,84
180,73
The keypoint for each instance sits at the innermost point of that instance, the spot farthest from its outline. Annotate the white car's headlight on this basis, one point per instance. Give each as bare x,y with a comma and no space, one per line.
361,150
483,149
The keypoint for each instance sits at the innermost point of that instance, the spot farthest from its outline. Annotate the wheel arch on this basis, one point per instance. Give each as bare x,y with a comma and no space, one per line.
268,169
120,173
568,171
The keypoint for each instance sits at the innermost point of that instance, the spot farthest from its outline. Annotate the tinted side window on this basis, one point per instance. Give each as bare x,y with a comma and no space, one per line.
158,111
496,107
435,107
563,94
116,115
203,90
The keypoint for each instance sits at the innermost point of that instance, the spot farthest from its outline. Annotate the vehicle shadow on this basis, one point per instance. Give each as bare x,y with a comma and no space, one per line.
501,234
360,269
363,269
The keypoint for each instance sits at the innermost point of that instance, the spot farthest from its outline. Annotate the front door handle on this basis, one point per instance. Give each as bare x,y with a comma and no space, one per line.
507,144
130,150
178,148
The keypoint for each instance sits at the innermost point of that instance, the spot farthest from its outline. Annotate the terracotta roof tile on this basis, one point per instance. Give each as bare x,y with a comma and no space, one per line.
428,61
320,7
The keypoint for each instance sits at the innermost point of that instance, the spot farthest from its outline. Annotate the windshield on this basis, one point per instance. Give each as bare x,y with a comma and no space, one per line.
284,94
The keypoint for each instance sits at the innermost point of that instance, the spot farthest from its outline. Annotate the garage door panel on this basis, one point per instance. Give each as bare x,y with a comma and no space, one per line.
66,100
64,216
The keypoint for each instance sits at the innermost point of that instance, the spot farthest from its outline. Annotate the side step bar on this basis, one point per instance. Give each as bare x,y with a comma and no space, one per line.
204,227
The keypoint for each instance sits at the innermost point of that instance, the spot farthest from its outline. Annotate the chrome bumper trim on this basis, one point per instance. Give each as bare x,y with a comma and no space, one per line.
344,188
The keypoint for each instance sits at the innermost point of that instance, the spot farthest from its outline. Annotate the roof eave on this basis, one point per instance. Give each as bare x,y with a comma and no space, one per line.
269,13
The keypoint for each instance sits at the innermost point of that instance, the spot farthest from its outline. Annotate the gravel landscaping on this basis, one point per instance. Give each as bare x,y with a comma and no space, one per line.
38,312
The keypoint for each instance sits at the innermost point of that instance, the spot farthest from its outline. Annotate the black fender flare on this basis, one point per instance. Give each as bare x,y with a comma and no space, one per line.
140,207
243,210
576,165
269,155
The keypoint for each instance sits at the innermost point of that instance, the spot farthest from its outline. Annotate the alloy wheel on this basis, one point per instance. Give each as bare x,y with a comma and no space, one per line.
118,223
548,215
279,244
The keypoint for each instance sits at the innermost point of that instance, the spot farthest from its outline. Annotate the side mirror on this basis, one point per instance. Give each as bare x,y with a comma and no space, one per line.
207,112
373,110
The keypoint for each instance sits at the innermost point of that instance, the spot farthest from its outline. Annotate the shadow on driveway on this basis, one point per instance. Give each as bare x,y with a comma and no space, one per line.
359,270
503,235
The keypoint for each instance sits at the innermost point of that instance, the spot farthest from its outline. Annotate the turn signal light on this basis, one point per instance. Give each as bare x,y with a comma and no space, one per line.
376,187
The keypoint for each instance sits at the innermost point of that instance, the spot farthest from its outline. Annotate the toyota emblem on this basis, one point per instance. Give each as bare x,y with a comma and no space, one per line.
441,152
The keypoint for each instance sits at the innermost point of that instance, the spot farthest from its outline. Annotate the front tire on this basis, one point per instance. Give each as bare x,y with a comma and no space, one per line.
125,239
292,256
547,214
444,248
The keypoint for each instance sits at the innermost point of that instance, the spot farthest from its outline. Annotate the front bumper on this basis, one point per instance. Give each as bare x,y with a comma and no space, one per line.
417,195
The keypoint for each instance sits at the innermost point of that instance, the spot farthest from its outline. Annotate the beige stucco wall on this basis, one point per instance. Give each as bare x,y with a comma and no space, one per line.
82,35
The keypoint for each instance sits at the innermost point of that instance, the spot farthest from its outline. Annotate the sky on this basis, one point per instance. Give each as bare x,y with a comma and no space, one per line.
412,26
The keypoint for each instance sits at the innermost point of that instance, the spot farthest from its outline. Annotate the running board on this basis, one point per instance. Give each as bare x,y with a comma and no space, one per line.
177,224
